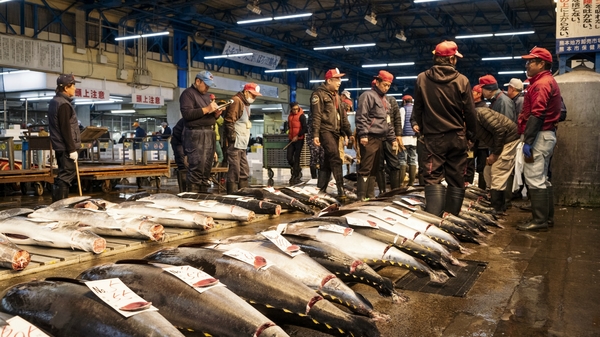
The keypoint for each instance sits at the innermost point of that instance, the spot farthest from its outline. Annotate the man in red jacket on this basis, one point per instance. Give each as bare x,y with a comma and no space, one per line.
537,125
297,130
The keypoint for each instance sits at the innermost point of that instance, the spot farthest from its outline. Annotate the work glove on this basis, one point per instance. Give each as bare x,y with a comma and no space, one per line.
73,155
527,150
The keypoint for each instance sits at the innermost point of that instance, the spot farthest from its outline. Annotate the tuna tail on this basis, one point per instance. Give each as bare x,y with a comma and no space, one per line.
137,196
65,203
9,213
438,276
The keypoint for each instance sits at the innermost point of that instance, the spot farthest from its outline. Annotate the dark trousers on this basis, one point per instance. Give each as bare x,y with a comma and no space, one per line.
67,170
330,145
199,147
370,157
392,162
179,156
238,165
293,155
445,156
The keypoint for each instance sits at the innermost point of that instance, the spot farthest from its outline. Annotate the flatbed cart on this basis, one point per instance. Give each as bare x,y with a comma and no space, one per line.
32,171
275,154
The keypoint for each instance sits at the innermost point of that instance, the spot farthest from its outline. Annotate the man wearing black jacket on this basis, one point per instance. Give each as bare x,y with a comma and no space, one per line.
64,135
443,107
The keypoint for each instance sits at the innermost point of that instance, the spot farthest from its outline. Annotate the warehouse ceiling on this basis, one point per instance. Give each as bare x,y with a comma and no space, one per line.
343,22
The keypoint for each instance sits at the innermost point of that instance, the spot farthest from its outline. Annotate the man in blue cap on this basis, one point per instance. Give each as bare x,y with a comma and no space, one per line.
64,135
200,115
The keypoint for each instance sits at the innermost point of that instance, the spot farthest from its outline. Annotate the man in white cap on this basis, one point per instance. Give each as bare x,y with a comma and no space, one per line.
237,130
166,130
198,135
515,92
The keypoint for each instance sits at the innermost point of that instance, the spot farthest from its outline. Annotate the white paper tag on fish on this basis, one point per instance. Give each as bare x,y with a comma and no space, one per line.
282,243
401,212
281,228
387,218
269,189
207,203
412,201
258,262
17,326
360,222
337,229
194,277
404,204
116,294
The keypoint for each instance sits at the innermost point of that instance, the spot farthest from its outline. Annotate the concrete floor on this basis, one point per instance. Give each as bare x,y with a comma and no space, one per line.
535,284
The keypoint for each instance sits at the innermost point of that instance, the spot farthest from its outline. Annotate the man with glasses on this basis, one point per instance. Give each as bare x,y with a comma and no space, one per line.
329,123
537,125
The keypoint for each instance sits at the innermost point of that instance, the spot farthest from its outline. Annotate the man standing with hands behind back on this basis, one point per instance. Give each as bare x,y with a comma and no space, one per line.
199,137
64,135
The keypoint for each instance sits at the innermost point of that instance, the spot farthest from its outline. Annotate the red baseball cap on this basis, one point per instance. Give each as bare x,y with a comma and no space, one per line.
407,98
212,96
333,73
447,48
385,76
253,88
477,88
487,79
539,53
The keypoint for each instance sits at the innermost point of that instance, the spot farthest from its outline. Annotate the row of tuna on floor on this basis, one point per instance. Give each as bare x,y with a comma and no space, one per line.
288,274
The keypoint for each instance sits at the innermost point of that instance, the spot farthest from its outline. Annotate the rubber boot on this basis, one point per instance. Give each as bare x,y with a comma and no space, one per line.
412,173
498,200
181,181
194,188
481,183
550,206
323,180
395,179
371,188
361,187
204,188
313,172
58,190
338,175
292,180
401,176
243,183
508,192
435,199
231,187
380,179
539,211
454,199
527,206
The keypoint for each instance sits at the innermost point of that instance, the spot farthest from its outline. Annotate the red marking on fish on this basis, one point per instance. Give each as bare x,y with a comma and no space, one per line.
445,215
416,234
262,328
206,283
292,248
347,231
385,251
313,198
355,264
373,224
327,279
259,262
312,302
278,209
428,225
260,204
136,306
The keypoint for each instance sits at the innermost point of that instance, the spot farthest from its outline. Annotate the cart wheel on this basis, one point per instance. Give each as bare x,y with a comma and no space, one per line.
270,182
270,173
38,188
107,186
158,182
25,188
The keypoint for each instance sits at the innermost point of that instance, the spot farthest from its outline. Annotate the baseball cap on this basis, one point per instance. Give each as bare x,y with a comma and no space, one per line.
163,123
447,48
136,124
206,77
477,88
488,82
212,96
407,98
385,76
515,83
346,93
66,79
253,88
333,73
539,53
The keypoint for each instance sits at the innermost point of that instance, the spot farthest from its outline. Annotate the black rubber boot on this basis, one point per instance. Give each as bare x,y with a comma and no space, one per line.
338,175
371,188
243,183
380,179
231,187
454,199
361,187
481,183
323,180
498,200
60,190
194,188
539,211
435,199
550,206
508,192
395,178
401,176
412,173
313,172
182,180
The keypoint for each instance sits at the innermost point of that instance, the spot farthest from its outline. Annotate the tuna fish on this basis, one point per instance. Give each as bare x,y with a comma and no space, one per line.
216,311
453,225
67,308
257,206
175,217
11,256
211,208
271,290
304,197
276,197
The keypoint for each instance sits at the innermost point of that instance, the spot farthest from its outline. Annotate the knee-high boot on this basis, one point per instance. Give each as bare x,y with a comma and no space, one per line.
412,173
361,187
401,176
435,199
454,199
539,211
323,180
550,206
380,178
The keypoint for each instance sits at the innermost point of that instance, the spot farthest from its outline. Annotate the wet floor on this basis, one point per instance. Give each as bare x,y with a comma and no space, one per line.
535,284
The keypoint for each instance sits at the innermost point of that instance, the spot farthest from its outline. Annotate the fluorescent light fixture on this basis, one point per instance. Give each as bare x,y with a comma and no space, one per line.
292,16
321,81
227,56
405,77
388,65
91,101
155,34
129,37
33,99
269,109
511,72
254,21
474,36
500,58
258,120
357,89
127,111
2,1
421,1
374,65
14,72
515,33
329,47
400,94
359,45
285,70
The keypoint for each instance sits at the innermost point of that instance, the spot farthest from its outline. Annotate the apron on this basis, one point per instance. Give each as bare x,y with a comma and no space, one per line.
242,130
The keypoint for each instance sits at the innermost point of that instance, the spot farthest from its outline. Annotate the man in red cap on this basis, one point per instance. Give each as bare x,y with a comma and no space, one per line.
537,127
408,157
500,101
478,97
237,130
374,127
443,107
329,123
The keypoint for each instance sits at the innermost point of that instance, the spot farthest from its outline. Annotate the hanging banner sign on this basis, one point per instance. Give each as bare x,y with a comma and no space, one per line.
30,54
259,59
577,26
148,99
92,94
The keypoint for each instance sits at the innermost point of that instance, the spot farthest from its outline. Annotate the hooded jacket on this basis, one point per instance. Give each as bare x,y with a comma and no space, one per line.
495,130
444,102
327,113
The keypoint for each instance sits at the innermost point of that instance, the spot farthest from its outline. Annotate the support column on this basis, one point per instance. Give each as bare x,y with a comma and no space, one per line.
173,112
83,114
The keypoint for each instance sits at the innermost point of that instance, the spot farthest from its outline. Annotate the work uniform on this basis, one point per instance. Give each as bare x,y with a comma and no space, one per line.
65,138
198,138
297,128
329,123
501,103
408,157
237,129
390,156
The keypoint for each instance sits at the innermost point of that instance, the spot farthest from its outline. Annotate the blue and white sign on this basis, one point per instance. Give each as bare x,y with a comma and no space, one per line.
577,26
259,59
